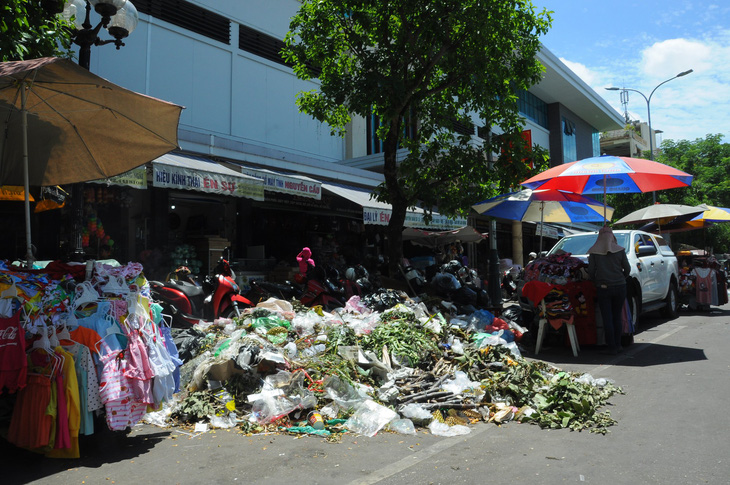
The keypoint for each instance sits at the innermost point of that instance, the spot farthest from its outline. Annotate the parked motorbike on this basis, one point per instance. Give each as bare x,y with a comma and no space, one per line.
460,285
510,278
189,302
319,290
263,290
356,282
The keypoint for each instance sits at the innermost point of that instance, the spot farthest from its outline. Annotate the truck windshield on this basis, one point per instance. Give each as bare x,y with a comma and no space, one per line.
580,244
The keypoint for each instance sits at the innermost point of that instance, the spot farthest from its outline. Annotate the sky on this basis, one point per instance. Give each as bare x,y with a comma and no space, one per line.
640,44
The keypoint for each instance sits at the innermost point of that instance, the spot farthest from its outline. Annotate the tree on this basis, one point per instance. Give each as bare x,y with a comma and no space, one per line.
439,64
29,31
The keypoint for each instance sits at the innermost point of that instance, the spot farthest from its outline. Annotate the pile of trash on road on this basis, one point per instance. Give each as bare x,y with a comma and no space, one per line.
284,367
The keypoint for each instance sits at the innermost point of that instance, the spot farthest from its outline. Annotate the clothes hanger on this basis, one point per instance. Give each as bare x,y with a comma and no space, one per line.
166,320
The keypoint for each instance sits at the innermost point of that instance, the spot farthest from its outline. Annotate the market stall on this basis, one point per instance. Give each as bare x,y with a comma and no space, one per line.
558,287
702,280
79,341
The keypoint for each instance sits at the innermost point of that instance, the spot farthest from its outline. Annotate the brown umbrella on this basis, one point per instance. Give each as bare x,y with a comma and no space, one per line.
61,124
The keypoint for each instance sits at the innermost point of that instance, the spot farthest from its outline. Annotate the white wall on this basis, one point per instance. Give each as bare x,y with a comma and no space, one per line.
225,91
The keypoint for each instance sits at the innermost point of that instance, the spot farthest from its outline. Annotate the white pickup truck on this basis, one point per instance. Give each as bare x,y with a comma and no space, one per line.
654,269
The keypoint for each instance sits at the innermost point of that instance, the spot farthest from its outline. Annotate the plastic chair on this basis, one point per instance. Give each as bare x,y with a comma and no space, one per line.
542,330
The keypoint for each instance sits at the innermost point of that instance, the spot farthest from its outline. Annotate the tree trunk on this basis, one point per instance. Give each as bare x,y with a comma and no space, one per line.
397,199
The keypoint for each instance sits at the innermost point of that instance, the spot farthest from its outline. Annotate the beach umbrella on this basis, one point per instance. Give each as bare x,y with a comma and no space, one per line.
609,174
544,205
713,215
435,239
61,124
661,213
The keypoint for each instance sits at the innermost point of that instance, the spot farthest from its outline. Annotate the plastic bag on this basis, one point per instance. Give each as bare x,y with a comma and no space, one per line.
223,422
589,379
487,339
417,413
480,319
345,395
402,426
460,383
442,429
305,323
369,418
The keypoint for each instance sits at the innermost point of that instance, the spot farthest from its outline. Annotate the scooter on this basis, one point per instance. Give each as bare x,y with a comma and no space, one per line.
263,290
188,302
509,283
319,290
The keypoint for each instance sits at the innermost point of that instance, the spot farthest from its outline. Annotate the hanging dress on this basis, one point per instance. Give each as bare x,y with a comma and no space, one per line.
122,411
13,361
32,424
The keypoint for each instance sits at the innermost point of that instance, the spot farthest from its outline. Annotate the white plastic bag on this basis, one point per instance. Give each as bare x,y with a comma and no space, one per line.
442,429
460,383
370,418
402,426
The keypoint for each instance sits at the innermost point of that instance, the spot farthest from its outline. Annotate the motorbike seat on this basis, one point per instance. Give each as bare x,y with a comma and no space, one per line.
190,290
278,287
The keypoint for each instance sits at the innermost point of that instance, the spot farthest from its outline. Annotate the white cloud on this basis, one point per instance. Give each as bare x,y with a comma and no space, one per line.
687,108
587,75
667,58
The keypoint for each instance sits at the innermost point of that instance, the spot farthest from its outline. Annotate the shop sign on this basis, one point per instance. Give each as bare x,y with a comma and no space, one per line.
277,182
13,192
381,217
135,178
173,177
547,231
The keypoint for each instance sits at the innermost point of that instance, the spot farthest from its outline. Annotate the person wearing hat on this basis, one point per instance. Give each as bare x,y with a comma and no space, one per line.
609,267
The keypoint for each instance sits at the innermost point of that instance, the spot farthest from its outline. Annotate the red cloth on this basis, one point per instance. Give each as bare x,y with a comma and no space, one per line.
535,290
13,361
57,270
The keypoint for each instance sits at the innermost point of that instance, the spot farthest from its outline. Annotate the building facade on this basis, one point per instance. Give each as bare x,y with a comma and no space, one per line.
219,59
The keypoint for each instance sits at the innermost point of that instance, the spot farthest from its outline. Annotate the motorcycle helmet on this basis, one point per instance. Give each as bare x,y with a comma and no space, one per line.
351,274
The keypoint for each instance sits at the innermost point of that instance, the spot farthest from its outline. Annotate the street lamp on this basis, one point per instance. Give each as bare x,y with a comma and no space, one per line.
119,18
648,111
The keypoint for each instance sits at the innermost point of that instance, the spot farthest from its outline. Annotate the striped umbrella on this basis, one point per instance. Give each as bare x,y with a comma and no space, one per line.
544,205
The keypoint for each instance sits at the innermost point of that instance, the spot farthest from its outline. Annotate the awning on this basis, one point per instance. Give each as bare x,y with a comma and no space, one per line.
135,178
375,212
285,183
177,171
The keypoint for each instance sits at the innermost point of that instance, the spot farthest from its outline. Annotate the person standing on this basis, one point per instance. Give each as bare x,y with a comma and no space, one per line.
608,268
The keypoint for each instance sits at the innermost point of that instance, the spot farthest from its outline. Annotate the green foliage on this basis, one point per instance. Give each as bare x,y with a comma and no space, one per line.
196,406
560,399
437,62
27,31
404,339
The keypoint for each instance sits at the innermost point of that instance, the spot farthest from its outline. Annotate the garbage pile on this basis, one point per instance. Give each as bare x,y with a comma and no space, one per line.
284,367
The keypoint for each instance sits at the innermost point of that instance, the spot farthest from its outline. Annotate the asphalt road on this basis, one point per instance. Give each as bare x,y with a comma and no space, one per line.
672,429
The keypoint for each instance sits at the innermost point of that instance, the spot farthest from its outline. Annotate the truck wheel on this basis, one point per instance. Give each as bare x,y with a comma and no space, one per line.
670,310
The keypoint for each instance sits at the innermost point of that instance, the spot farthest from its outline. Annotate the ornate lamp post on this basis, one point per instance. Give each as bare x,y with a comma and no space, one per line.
648,111
119,18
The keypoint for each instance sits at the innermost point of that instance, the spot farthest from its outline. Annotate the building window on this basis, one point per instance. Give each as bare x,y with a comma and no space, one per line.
532,107
596,143
375,144
188,16
570,153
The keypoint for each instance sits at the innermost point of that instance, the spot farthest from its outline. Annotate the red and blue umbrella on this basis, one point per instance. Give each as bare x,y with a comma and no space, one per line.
610,174
544,205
